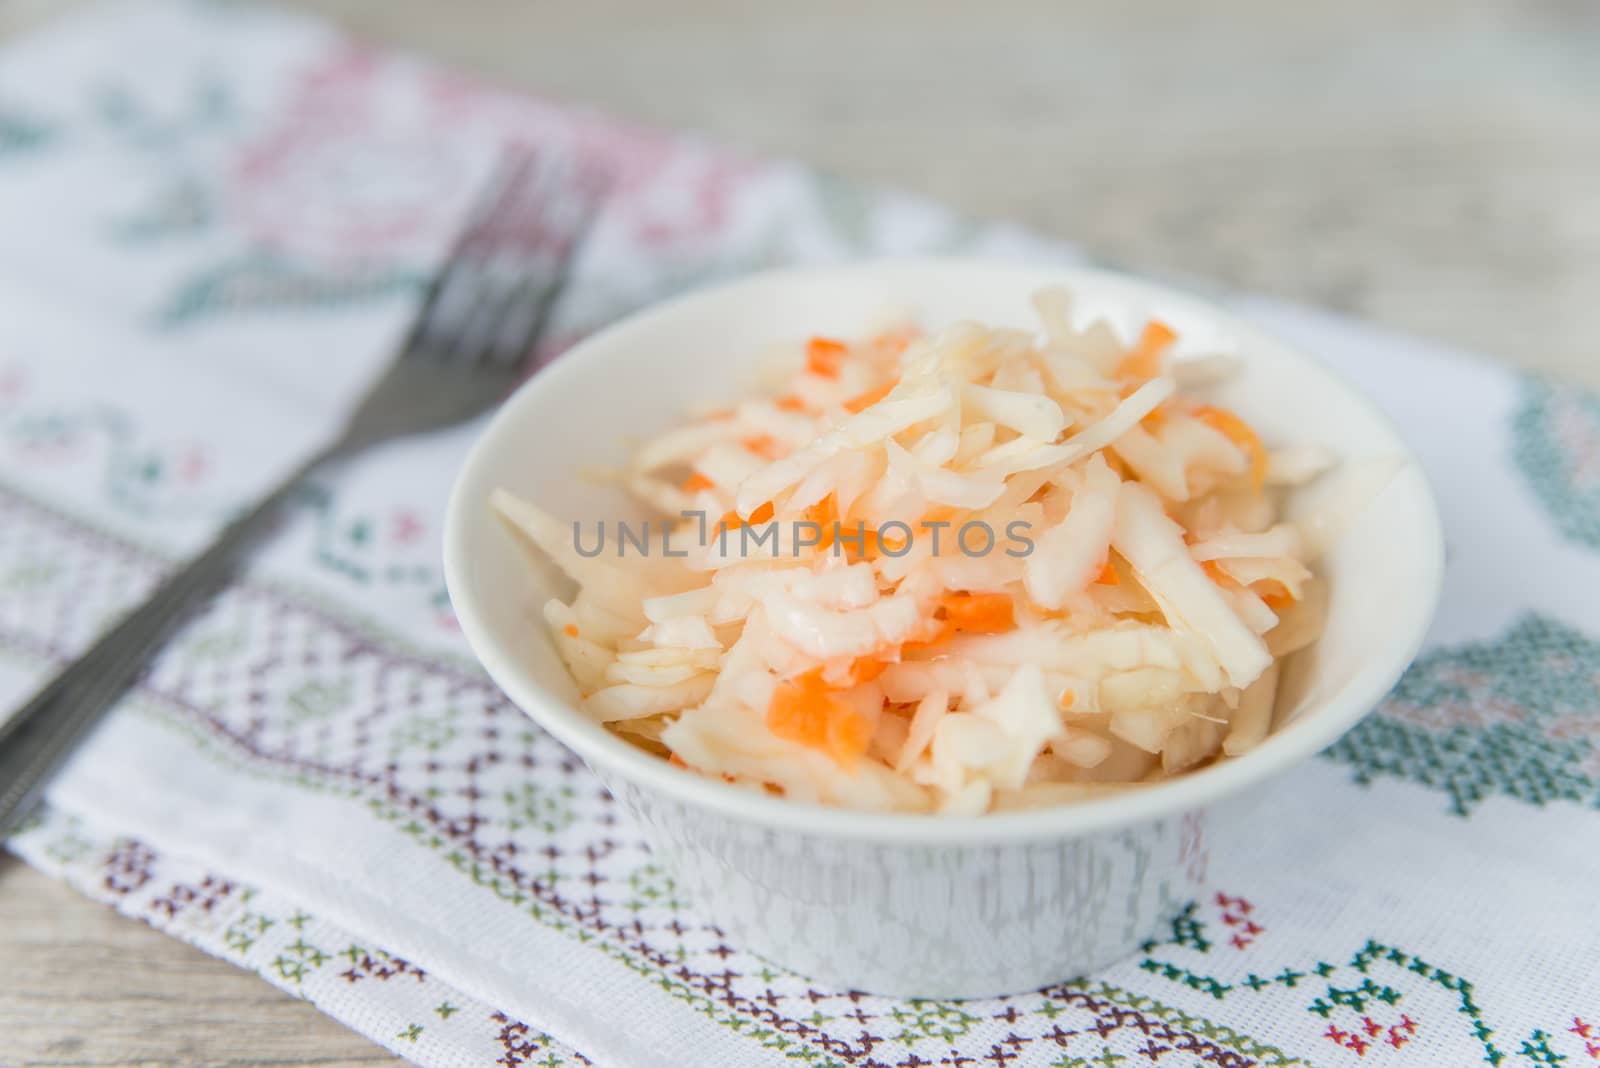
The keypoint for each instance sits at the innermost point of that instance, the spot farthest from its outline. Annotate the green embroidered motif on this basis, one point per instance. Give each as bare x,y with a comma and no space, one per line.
141,475
1514,717
244,931
262,281
205,108
432,733
298,961
1104,1059
536,806
943,1020
316,700
184,209
1557,446
1364,995
1537,1049
653,888
19,134
29,575
1226,1037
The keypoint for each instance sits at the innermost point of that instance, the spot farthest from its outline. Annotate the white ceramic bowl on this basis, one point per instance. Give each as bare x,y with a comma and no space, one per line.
899,904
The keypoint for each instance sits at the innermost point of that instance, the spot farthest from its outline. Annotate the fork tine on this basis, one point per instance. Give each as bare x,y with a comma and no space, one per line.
451,302
450,290
493,298
533,238
529,310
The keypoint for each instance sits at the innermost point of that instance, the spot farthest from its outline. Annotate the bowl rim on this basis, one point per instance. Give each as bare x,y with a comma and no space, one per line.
611,756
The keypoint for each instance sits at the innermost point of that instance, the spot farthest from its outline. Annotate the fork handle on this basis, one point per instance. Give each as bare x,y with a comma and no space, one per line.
43,733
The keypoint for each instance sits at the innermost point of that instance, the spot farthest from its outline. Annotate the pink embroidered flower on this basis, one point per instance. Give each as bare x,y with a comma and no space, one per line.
352,171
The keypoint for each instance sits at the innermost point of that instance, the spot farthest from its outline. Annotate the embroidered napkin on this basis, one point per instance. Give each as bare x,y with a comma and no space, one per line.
214,221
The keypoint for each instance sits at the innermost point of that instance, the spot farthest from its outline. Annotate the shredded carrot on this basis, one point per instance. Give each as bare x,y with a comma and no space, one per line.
1108,575
803,710
877,544
1145,360
765,446
865,400
823,514
570,630
978,613
1068,699
695,483
790,403
824,355
676,761
731,521
1276,595
1241,434
849,734
942,633
865,669
1219,576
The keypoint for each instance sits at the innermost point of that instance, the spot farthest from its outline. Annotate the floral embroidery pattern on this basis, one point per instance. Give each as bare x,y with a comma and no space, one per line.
397,1004
269,686
1557,447
20,134
141,474
332,205
1514,717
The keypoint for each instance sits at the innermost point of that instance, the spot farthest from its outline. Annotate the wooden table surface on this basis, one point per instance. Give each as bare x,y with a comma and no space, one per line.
1433,165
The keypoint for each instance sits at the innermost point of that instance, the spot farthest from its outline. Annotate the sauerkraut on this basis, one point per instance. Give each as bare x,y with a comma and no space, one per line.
969,571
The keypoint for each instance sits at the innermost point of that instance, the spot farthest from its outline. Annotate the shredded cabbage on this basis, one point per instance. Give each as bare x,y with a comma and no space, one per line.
972,571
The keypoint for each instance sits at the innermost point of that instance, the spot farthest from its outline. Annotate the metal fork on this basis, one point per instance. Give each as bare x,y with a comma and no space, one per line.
483,313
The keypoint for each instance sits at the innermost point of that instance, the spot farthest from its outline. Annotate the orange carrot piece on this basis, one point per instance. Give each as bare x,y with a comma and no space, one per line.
848,735
695,483
1067,699
880,544
1276,595
865,669
978,613
790,403
765,446
676,761
823,514
862,401
1108,575
939,634
1145,360
570,630
1241,434
825,355
803,710
1219,576
799,713
730,519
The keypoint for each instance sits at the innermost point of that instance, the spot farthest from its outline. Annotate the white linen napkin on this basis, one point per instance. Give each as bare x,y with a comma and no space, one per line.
204,254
